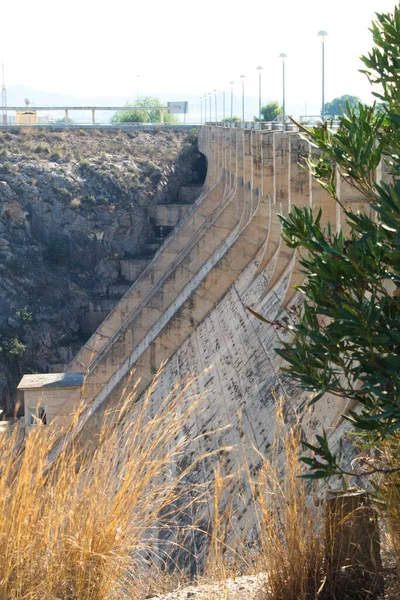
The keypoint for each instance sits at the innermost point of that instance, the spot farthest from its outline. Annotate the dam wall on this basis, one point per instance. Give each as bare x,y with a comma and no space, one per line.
187,309
229,356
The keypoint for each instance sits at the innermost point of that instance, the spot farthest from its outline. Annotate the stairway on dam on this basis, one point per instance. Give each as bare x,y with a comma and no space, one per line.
165,219
187,309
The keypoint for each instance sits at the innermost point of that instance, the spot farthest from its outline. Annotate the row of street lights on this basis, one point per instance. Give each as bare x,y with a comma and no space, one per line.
283,56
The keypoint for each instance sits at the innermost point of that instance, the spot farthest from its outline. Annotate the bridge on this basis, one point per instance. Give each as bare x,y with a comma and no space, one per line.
188,307
170,107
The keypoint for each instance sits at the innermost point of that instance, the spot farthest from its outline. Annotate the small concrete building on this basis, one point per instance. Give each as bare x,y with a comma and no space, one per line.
26,117
49,396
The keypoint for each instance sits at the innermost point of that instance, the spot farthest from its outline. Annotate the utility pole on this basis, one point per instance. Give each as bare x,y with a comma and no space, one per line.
3,97
283,56
322,34
259,69
242,77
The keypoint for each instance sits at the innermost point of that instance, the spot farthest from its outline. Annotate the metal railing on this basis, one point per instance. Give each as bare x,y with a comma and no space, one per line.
86,125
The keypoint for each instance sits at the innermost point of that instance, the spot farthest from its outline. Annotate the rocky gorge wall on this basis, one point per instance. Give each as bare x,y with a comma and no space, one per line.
81,215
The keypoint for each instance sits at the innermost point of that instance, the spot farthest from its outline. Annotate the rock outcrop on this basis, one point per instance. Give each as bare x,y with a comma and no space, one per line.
78,221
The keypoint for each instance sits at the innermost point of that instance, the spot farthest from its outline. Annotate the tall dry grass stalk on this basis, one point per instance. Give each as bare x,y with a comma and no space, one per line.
86,527
222,560
387,488
290,525
289,547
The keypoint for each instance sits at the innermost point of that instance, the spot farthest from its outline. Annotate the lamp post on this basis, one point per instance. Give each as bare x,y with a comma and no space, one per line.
242,78
323,33
4,98
259,69
231,84
283,56
209,97
137,88
201,110
215,102
223,105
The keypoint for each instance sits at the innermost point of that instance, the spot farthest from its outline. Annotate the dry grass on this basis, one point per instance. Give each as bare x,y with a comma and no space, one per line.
290,550
387,488
86,527
290,525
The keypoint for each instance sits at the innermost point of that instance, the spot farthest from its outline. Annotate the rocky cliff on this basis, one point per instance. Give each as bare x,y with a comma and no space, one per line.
78,219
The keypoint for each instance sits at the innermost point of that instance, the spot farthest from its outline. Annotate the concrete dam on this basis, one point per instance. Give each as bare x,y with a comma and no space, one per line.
187,309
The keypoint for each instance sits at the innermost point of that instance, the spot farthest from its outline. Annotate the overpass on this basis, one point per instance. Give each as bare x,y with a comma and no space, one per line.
188,307
170,107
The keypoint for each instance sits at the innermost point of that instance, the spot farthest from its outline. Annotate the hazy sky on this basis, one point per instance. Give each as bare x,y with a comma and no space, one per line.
90,48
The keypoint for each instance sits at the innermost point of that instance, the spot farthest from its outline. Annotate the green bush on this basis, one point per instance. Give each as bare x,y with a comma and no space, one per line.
347,339
55,156
56,249
42,149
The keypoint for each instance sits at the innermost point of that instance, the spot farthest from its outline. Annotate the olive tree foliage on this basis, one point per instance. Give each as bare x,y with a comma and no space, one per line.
143,116
346,341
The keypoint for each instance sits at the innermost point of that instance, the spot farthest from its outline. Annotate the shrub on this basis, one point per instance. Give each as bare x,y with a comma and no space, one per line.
346,341
55,156
42,149
63,193
192,135
6,167
56,249
76,202
24,314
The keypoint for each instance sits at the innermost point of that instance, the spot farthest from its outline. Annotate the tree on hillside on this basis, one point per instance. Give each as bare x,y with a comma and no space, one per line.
346,341
338,105
62,121
233,119
270,111
143,116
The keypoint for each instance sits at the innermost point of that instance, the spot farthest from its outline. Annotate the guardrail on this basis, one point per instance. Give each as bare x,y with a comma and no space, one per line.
267,125
89,126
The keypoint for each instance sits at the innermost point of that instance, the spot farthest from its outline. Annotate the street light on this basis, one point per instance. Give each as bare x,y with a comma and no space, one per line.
231,84
242,77
323,33
201,110
223,105
209,97
215,99
259,69
283,56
